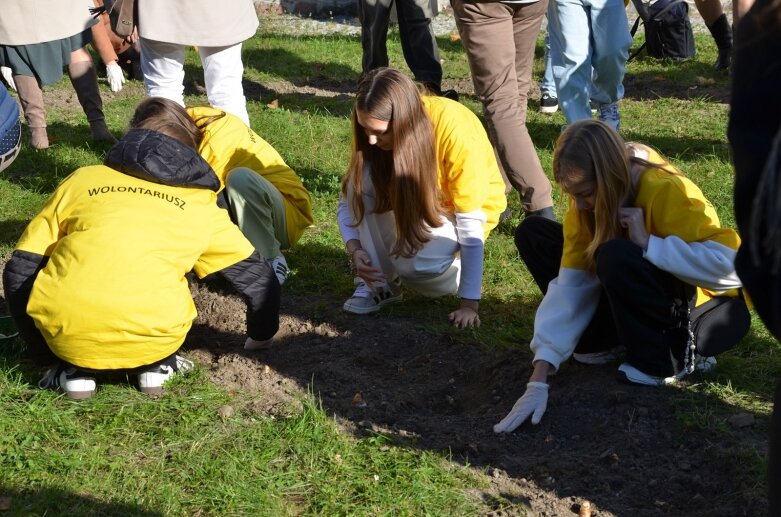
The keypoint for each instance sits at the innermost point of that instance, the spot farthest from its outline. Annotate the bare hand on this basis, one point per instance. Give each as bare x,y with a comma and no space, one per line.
464,317
133,37
632,218
363,266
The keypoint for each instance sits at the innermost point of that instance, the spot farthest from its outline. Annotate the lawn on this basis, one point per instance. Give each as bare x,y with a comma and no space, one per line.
205,449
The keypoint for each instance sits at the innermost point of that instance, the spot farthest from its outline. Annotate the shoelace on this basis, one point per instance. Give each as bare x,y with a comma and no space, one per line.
50,379
183,365
608,112
363,291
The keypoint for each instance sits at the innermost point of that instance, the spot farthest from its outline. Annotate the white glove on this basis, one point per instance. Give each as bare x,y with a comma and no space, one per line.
115,76
8,75
535,400
252,344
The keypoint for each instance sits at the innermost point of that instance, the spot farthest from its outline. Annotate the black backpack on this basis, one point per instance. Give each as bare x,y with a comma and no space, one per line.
668,31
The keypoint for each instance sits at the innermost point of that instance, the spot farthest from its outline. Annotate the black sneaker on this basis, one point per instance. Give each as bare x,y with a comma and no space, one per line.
549,104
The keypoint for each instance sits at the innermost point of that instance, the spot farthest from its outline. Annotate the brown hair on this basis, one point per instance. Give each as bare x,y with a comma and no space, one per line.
170,118
404,178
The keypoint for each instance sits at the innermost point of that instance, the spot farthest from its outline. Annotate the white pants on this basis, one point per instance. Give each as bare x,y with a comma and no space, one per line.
163,67
433,271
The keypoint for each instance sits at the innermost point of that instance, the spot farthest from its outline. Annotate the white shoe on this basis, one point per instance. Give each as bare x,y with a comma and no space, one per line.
628,373
365,300
152,380
77,384
279,265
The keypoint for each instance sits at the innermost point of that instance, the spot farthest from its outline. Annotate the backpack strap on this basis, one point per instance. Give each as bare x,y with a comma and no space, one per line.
632,33
642,11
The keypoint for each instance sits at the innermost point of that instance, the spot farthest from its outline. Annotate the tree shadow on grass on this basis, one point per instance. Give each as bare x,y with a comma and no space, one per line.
53,501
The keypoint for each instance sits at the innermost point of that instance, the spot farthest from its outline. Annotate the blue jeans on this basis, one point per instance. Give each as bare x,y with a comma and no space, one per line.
548,85
586,35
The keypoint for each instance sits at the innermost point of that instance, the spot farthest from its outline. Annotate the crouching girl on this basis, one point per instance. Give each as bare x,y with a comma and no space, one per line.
421,195
641,262
97,280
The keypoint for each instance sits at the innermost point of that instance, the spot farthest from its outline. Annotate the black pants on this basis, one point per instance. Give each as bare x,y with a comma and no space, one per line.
641,307
417,37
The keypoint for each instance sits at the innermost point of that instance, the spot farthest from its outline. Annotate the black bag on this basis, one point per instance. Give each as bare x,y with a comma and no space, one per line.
668,31
719,324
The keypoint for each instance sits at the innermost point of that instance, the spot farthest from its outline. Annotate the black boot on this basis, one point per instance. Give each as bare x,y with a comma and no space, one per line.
722,35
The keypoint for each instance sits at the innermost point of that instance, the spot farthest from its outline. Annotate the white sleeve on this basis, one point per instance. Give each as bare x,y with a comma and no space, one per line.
471,237
346,220
564,314
706,264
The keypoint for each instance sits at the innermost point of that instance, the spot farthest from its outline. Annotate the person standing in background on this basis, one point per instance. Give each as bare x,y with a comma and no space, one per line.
37,40
216,27
754,133
499,39
417,39
589,48
713,15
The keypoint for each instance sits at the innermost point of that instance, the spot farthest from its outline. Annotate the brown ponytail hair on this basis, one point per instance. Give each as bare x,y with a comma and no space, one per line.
404,178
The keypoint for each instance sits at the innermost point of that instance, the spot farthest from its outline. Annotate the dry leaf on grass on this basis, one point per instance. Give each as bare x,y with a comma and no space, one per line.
455,37
273,104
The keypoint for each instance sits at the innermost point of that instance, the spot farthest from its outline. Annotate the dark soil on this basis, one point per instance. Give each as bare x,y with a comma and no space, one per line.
617,446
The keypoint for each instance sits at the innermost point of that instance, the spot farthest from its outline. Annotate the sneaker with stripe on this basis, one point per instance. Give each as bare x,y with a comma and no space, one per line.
366,300
77,384
151,381
279,265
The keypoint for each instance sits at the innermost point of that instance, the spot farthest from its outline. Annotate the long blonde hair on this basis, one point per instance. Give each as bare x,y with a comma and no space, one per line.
590,150
404,178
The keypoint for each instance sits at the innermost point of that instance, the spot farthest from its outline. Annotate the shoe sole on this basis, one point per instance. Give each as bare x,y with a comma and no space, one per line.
80,395
595,361
623,377
546,109
368,310
152,391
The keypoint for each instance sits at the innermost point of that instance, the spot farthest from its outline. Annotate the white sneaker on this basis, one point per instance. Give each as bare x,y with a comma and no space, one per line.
279,265
152,380
77,384
628,373
365,301
598,358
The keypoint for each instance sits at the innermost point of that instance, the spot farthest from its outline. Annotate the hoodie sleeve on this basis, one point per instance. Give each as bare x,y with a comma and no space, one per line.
232,255
18,279
254,279
563,315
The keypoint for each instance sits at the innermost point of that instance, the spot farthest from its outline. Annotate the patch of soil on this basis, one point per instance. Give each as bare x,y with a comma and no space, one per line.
617,446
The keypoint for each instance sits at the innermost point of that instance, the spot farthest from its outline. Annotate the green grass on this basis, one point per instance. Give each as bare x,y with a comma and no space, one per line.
123,454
